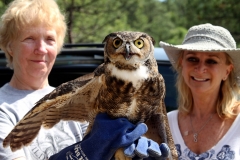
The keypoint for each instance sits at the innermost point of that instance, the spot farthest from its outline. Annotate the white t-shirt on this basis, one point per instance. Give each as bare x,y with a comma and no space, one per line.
228,148
14,104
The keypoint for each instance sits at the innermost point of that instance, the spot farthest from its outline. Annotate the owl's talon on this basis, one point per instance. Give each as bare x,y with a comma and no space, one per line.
119,155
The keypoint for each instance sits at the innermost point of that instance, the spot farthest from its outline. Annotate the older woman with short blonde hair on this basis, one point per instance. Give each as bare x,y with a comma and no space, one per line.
22,14
32,34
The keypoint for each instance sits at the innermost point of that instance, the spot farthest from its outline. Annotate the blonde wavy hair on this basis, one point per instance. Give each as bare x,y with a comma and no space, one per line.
227,99
21,14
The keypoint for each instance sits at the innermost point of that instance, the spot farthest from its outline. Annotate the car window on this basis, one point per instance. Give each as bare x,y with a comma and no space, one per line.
169,78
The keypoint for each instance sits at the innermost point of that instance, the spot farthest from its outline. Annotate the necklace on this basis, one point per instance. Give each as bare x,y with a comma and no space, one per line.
195,133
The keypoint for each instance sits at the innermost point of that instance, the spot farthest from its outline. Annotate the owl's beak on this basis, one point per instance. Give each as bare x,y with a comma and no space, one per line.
127,55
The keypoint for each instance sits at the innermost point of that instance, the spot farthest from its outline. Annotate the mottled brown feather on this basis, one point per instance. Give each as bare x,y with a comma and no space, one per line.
69,101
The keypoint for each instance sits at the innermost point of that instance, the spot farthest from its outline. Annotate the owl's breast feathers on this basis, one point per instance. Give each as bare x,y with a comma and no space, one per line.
132,93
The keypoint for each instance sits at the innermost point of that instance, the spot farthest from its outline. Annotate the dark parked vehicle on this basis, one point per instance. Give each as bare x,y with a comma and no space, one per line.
76,60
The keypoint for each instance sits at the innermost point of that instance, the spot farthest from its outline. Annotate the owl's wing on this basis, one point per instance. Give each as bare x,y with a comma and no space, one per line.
158,125
73,100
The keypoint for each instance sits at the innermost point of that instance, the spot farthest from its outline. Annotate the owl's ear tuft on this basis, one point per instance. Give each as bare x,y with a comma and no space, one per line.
153,41
110,35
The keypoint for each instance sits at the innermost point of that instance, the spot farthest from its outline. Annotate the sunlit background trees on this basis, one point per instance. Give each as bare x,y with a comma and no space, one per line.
89,21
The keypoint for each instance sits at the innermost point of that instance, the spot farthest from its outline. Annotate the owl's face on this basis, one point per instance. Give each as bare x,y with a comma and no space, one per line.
129,48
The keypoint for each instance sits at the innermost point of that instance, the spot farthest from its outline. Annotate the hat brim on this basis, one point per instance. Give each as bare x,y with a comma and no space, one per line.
173,51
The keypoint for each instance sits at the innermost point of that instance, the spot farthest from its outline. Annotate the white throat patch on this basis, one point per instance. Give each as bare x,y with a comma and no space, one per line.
131,76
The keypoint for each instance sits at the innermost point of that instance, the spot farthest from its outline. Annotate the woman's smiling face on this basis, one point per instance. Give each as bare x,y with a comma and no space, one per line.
34,52
204,71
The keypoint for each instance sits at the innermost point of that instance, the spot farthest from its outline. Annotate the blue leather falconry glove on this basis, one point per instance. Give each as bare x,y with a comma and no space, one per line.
106,136
147,149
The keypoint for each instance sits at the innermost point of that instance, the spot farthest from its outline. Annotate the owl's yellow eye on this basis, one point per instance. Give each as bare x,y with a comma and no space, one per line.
139,43
117,42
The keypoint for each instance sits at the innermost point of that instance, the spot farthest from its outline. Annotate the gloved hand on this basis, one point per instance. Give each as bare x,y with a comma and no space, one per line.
106,136
146,148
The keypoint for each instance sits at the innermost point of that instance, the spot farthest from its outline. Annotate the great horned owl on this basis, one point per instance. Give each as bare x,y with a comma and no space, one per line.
127,84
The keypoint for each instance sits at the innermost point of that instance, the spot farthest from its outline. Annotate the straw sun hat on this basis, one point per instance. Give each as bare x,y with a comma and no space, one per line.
206,38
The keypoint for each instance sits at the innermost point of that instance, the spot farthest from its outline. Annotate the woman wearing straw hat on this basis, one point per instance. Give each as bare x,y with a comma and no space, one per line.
207,122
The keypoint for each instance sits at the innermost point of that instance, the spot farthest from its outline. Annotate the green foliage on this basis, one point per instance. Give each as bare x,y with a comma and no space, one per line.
224,13
89,21
92,20
3,5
